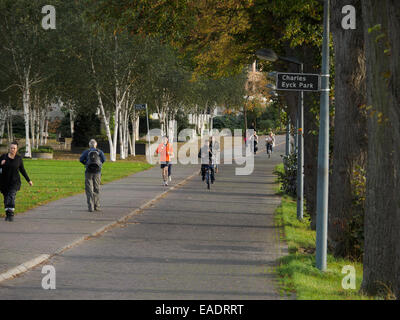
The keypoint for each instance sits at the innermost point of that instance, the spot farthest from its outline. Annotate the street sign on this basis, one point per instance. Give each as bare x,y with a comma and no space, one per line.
140,106
297,81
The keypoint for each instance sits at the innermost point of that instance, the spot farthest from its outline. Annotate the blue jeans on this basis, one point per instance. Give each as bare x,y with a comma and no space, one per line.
204,167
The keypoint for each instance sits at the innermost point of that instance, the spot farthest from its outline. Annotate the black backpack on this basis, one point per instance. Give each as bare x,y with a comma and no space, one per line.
94,163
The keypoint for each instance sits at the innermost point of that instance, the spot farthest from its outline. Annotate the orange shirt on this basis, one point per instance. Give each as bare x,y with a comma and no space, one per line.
165,151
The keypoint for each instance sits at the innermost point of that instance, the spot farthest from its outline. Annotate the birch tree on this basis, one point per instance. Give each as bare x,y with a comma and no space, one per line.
26,46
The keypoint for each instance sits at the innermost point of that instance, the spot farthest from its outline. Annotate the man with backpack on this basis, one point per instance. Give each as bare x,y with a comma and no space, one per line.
93,159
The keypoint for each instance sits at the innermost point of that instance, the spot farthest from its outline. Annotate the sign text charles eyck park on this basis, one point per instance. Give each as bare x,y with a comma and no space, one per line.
297,81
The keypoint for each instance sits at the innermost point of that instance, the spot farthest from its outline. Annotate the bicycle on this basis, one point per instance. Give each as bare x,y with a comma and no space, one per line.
208,176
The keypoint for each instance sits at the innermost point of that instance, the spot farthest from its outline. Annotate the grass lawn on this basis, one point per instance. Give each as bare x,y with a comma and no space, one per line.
55,179
297,271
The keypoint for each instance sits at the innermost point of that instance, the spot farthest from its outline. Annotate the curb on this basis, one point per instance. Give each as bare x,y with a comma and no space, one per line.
12,273
28,265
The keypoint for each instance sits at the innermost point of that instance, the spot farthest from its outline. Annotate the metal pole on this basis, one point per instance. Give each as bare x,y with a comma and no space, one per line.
288,136
148,127
300,155
323,152
296,132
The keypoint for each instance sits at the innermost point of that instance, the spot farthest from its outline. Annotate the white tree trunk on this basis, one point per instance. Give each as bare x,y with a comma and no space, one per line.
10,127
121,136
46,130
26,103
43,124
137,135
3,118
32,126
37,127
134,135
72,121
113,156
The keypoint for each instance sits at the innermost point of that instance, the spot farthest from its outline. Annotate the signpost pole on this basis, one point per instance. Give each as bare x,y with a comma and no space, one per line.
148,127
323,152
288,136
300,155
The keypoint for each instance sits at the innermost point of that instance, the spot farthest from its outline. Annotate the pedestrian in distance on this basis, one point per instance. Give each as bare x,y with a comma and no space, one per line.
93,160
270,143
165,152
215,149
254,141
11,165
208,159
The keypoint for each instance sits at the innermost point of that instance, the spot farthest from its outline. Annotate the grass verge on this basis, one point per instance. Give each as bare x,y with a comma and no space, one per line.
56,179
297,271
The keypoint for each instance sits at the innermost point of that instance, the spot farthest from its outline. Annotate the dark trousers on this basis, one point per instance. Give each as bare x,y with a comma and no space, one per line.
169,169
9,199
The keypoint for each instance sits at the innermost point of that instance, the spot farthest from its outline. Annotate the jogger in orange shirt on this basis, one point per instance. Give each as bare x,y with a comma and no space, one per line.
165,151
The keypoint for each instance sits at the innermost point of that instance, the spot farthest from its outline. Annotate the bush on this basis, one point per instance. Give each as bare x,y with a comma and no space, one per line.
43,149
288,177
65,127
228,122
266,125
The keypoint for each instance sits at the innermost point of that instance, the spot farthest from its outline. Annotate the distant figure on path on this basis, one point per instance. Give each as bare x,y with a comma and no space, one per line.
166,152
270,142
11,165
215,149
254,141
93,159
207,159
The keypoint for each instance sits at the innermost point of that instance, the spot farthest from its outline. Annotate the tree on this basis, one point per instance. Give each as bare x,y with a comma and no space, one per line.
25,45
382,215
346,205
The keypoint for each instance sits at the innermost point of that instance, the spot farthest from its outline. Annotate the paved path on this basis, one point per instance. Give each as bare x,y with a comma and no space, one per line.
190,244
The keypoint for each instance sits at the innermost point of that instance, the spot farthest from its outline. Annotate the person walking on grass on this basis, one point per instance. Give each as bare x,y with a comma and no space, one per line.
11,165
93,160
165,152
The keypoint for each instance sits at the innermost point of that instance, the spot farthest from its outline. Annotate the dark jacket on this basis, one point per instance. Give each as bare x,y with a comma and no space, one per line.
9,178
84,156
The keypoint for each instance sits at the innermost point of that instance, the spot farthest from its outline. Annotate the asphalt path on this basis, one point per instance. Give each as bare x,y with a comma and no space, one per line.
192,243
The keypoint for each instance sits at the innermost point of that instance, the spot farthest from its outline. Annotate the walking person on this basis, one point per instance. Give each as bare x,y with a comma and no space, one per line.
270,143
93,160
215,149
165,151
254,141
11,165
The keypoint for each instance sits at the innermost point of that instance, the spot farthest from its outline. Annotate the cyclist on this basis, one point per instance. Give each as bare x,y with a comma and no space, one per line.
207,161
166,152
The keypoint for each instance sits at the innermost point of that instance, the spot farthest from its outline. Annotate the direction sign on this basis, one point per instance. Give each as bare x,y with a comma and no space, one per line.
297,81
140,106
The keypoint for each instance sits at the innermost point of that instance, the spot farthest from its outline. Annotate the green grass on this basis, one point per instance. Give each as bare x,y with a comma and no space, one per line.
56,179
297,271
